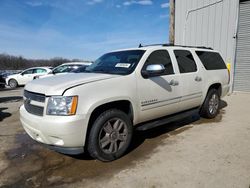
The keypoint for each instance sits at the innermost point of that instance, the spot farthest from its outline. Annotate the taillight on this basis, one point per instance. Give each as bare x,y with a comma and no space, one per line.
228,71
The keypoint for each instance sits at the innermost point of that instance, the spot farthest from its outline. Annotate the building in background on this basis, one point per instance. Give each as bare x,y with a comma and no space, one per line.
221,24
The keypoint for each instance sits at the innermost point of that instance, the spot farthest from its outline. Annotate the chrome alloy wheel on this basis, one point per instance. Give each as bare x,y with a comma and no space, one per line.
113,135
213,105
12,84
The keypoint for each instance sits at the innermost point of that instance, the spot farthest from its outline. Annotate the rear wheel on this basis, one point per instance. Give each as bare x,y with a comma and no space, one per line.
110,135
13,83
211,105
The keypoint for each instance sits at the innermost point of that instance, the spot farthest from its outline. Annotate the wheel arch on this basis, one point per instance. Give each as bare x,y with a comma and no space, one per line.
8,82
217,86
123,105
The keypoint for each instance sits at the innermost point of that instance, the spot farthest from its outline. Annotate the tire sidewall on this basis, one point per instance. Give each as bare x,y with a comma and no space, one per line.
13,80
205,108
93,142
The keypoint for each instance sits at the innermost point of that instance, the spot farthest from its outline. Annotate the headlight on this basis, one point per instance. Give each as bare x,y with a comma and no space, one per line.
62,105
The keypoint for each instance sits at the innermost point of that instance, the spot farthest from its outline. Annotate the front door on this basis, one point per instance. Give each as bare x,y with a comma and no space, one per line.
159,96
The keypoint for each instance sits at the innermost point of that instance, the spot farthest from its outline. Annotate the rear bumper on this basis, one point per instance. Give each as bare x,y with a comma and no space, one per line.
225,90
2,84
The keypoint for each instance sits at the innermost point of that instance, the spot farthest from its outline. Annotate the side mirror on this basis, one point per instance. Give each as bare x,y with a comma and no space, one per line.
153,70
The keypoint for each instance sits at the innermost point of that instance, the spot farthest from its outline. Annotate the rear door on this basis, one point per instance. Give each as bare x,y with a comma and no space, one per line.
191,79
158,95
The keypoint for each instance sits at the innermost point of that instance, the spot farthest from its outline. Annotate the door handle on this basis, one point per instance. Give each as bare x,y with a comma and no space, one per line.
174,83
198,79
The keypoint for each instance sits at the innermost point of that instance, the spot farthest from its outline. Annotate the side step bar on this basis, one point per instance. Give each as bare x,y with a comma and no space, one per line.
166,120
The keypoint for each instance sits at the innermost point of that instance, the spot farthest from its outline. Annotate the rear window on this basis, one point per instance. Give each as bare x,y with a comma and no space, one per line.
211,60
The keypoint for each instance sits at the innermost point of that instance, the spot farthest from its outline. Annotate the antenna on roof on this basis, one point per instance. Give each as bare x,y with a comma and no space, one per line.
140,46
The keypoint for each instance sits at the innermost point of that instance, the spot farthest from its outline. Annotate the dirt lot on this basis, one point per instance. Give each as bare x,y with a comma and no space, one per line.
190,153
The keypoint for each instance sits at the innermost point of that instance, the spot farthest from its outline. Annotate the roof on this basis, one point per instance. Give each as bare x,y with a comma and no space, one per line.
162,46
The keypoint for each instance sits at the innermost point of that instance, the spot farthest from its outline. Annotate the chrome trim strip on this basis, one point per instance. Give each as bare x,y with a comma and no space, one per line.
192,94
191,98
160,106
161,101
183,98
36,103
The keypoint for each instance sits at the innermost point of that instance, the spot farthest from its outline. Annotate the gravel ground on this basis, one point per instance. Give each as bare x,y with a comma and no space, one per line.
193,152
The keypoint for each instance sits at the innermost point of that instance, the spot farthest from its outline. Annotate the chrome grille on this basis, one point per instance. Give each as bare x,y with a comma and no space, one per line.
31,108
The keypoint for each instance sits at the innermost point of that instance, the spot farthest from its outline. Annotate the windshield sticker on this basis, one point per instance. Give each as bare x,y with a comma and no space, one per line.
123,65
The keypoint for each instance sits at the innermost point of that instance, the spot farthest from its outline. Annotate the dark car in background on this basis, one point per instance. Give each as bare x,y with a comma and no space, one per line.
2,81
3,76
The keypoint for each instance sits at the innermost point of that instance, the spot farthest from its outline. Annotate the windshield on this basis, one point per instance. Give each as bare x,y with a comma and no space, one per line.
65,68
122,62
79,69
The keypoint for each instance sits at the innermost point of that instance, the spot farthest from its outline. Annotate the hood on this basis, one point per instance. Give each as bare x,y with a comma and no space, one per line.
56,85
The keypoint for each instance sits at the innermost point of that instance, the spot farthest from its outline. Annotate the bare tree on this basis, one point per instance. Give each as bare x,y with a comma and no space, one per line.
10,62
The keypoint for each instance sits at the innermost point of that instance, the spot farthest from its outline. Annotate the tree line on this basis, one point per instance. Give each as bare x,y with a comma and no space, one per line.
10,62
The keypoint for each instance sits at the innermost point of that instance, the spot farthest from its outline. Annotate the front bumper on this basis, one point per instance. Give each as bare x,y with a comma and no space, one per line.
65,134
66,150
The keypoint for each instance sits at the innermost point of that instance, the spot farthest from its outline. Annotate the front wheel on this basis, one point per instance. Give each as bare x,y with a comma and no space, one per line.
211,105
110,135
13,83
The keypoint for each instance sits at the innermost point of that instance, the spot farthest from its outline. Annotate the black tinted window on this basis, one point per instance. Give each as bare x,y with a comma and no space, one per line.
211,60
160,57
185,61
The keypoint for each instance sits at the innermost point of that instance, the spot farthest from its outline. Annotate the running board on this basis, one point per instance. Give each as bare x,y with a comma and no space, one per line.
166,120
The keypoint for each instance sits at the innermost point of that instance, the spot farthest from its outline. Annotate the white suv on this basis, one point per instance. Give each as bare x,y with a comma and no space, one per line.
25,76
126,89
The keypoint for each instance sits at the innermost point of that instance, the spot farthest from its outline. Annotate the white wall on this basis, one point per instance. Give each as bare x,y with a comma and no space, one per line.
210,23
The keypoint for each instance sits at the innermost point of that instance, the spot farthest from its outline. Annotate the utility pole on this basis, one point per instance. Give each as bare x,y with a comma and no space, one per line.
171,21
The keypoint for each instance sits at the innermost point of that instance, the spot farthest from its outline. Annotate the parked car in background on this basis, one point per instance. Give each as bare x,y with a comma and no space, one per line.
2,80
25,76
66,68
4,74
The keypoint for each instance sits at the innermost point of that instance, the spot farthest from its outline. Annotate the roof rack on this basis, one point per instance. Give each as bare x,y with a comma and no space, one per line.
203,47
140,46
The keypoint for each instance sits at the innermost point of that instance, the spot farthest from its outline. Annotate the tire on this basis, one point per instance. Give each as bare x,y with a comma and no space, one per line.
211,105
13,83
110,135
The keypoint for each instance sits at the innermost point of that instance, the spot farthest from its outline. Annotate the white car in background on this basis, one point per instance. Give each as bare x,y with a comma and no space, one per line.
66,68
25,76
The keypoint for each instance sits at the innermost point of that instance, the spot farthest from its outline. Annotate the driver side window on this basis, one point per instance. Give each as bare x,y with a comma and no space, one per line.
30,71
160,57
